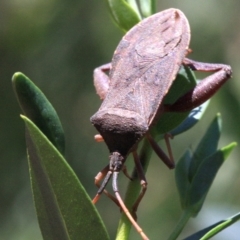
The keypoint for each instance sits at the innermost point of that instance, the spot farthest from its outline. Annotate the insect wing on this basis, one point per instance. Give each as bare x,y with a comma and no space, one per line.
146,62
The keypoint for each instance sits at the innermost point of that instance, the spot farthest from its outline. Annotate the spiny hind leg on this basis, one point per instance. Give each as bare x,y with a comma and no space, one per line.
205,89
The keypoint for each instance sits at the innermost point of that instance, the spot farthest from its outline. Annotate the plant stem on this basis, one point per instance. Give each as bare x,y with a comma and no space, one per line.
133,191
180,225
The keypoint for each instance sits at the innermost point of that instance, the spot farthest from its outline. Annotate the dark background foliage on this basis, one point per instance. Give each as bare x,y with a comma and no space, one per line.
58,44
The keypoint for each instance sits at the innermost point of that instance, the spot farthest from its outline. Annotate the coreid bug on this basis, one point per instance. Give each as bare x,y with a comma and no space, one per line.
142,71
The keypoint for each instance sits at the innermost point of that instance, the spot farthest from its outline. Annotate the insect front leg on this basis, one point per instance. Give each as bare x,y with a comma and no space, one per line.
205,89
101,80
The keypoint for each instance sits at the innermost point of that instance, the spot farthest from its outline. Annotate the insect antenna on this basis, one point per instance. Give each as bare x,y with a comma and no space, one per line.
102,187
123,206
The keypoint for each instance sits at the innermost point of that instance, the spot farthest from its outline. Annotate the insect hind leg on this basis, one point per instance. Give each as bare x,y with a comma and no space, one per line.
205,89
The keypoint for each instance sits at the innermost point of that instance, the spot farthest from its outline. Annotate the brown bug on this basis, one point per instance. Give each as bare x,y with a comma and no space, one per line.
142,71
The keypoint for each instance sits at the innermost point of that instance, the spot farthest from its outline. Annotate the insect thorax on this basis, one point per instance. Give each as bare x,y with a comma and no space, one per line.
121,129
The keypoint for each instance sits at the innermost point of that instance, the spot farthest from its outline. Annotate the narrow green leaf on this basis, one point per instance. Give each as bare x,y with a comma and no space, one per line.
221,226
228,149
204,177
181,176
207,146
123,14
212,230
133,4
146,7
199,234
35,106
63,207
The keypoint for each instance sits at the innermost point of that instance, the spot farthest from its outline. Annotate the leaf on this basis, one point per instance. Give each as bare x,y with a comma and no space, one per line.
36,107
221,226
194,191
199,234
63,207
193,118
207,146
134,5
193,188
147,7
212,230
181,176
124,14
204,177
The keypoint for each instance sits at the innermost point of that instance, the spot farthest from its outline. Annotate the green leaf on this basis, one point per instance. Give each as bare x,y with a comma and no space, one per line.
124,14
181,176
204,177
193,188
199,234
63,207
147,7
221,226
207,146
35,106
134,5
212,230
193,118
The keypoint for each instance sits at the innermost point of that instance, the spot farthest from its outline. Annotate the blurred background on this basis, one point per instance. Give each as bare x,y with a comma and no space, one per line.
58,44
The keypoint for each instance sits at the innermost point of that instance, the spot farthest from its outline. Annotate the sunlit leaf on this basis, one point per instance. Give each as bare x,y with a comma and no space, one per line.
214,229
193,118
220,226
123,14
147,7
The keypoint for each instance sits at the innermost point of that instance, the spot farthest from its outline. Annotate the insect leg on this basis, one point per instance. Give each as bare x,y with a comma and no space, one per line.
124,208
101,80
143,182
106,175
124,169
166,137
98,138
161,154
205,89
